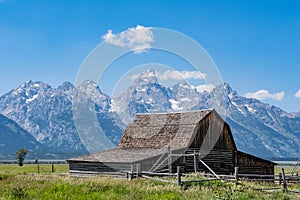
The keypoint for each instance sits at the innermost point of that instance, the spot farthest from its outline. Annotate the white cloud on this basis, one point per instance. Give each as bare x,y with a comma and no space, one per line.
205,87
177,75
138,39
297,95
265,94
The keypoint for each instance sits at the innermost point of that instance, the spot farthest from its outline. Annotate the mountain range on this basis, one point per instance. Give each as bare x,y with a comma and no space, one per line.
258,128
46,115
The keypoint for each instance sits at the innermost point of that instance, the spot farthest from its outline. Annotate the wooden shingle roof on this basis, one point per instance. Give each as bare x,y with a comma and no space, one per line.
149,135
120,155
161,130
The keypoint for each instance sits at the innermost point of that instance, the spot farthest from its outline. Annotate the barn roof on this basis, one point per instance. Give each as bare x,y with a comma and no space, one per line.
255,157
161,130
149,135
120,155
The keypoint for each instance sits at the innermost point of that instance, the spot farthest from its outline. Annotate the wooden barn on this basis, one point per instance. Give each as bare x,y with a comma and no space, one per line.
161,142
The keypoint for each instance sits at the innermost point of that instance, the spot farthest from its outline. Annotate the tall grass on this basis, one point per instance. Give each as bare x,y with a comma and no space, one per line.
29,185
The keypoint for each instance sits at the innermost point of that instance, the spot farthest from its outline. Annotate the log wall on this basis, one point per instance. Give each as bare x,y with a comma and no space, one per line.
219,160
249,164
99,167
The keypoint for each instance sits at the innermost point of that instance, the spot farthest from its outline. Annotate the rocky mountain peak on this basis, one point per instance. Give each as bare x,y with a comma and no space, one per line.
34,84
25,93
225,90
88,85
184,85
146,77
66,86
92,91
66,89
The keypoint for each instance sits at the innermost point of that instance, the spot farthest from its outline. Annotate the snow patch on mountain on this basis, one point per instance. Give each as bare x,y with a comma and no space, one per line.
250,109
175,105
239,109
32,98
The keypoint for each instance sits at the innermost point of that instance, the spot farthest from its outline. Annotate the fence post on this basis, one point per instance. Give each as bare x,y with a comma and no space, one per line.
38,167
178,176
284,180
52,168
195,162
130,177
236,173
169,159
280,178
138,169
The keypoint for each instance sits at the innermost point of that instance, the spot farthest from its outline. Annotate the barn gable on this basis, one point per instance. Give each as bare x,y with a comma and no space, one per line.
213,132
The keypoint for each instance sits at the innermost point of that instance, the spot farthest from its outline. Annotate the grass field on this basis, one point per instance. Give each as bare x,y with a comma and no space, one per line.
32,168
287,169
24,183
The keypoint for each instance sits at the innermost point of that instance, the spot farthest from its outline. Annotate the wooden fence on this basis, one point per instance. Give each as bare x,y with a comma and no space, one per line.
180,179
34,161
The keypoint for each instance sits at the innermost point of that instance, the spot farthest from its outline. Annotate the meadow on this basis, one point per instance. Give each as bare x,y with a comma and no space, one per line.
25,183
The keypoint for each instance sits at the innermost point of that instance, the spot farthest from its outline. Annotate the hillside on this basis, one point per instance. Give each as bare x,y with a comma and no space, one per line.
14,137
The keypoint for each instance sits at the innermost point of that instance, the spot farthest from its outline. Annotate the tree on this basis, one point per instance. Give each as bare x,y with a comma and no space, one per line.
20,155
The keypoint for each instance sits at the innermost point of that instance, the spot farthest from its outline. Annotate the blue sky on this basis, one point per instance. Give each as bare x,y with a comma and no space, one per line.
255,44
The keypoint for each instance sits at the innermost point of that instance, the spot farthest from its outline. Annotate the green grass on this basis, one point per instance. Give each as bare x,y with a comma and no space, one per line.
287,169
24,183
32,168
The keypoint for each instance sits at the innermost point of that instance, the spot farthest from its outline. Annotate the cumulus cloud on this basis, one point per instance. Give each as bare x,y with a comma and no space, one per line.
177,75
297,95
265,94
138,39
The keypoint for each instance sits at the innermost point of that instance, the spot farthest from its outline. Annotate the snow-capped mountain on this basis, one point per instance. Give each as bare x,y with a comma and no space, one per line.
146,95
184,97
257,125
258,128
51,115
47,113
